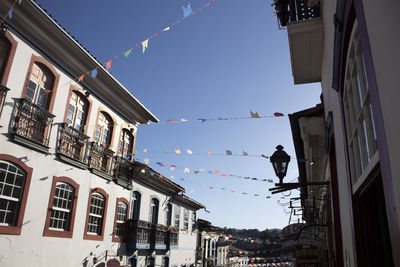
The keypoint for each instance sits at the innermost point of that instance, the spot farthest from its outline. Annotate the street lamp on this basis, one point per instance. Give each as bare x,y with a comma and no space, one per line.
280,161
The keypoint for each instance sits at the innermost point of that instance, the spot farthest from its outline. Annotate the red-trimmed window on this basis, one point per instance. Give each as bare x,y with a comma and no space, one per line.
96,214
77,111
104,129
62,206
40,85
5,47
15,178
125,148
121,215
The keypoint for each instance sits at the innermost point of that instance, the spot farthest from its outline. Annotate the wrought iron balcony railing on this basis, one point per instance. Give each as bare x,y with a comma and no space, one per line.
145,235
138,234
296,10
161,237
72,144
123,171
173,237
31,124
100,160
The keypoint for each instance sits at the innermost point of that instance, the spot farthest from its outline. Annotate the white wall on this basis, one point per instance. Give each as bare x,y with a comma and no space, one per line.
31,247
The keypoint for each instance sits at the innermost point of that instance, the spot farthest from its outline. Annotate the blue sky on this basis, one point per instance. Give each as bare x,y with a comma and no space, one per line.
226,60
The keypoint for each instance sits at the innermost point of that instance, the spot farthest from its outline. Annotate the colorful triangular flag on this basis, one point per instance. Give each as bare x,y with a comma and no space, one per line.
127,52
228,152
189,151
254,115
167,29
145,44
108,65
187,10
81,78
186,170
94,73
245,153
177,151
10,13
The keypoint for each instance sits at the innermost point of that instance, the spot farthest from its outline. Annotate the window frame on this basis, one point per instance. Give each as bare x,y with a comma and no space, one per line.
116,238
179,217
87,236
135,216
185,219
16,230
157,210
10,59
120,152
111,139
358,113
55,233
41,61
89,107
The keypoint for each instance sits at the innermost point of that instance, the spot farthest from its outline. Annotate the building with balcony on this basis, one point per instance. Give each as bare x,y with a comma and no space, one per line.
70,192
351,48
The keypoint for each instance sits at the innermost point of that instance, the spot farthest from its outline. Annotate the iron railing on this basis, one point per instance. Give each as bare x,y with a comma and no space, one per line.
32,122
123,169
72,143
145,235
100,158
296,10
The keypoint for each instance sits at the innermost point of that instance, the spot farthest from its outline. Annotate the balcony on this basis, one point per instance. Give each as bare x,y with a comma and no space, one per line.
305,34
100,160
138,234
72,145
145,235
173,237
161,237
31,125
123,172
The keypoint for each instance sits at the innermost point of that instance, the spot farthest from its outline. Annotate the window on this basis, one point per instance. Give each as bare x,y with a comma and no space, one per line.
150,261
121,214
360,127
194,221
40,85
15,179
125,148
165,262
77,111
177,215
104,129
5,47
185,219
135,205
97,209
62,207
154,211
168,215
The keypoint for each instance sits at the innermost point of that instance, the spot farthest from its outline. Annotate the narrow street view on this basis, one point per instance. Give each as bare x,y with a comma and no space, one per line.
199,133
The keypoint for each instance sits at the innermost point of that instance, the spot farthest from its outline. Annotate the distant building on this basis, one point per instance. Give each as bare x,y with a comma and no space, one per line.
70,192
349,46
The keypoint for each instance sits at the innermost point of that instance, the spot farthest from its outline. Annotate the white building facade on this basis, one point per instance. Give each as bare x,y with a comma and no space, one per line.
70,192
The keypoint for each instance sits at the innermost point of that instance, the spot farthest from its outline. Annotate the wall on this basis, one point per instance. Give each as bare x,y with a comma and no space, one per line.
332,103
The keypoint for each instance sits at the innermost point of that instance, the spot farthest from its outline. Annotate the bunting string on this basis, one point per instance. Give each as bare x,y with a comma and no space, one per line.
221,188
228,152
213,171
252,116
187,12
